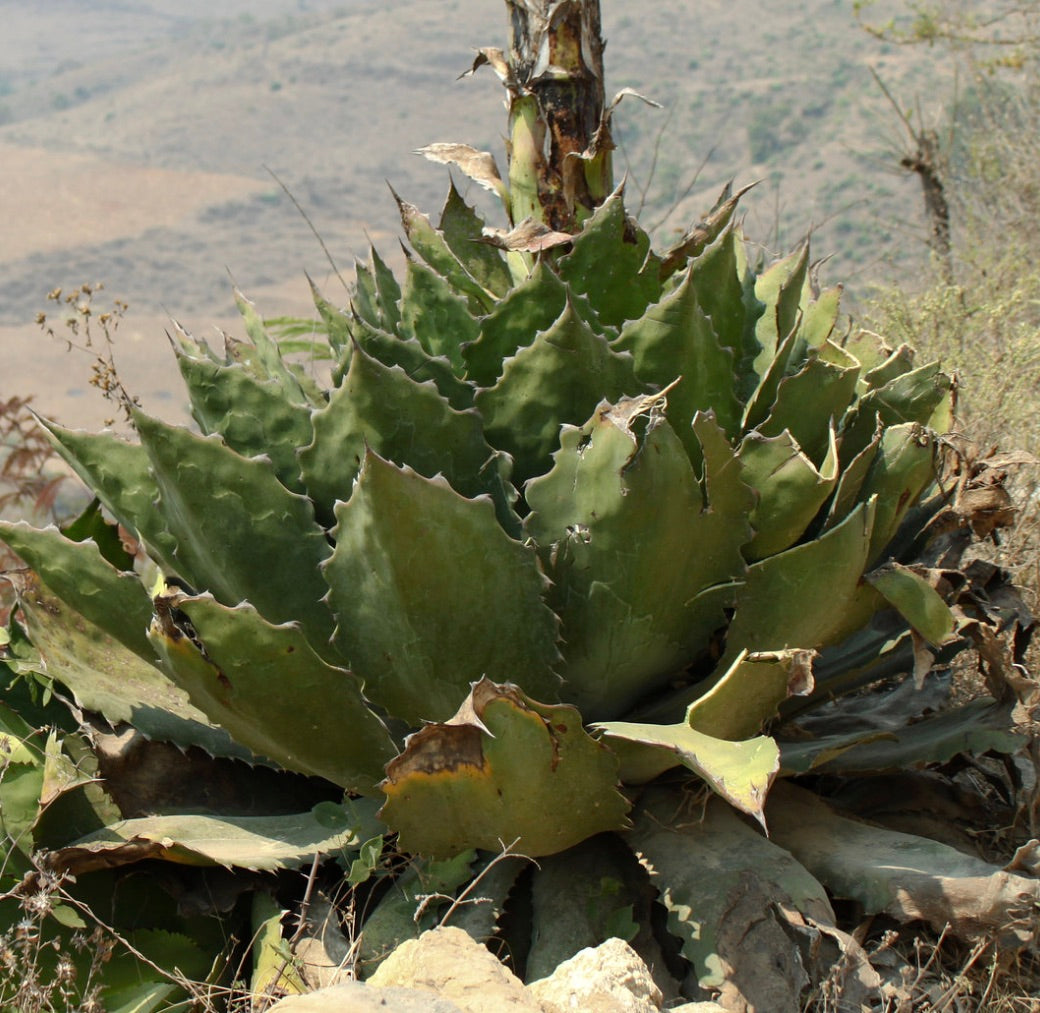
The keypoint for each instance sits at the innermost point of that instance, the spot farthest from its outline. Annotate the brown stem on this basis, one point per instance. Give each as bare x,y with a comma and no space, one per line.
556,58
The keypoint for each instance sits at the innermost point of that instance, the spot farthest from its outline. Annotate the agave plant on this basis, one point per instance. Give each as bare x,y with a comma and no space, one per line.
572,530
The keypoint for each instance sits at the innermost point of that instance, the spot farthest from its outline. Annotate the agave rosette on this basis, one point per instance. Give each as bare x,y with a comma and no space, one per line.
562,522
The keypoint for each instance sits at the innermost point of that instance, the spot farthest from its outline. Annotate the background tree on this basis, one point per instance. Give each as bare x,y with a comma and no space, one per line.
979,309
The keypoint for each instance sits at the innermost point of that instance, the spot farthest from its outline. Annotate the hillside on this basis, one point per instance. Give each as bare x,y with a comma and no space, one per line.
137,145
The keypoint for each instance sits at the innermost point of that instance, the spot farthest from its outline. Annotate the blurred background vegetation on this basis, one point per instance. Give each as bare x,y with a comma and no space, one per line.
976,304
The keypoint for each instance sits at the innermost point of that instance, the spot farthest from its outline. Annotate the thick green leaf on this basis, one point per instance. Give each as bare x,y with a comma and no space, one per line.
883,370
780,288
820,316
22,753
432,245
462,229
270,690
750,693
580,898
411,904
805,597
73,800
131,986
919,603
76,572
380,408
388,292
532,306
717,279
977,727
903,467
241,842
910,397
252,416
676,338
435,316
275,968
91,525
813,400
239,533
413,359
556,380
365,301
107,678
119,474
416,572
847,495
726,889
636,551
498,876
266,357
740,772
336,322
504,769
790,489
611,263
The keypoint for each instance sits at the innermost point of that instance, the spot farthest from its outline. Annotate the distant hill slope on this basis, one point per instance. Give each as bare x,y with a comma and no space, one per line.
335,97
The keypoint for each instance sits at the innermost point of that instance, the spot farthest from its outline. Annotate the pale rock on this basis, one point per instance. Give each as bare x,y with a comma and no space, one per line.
609,978
355,997
699,1007
452,964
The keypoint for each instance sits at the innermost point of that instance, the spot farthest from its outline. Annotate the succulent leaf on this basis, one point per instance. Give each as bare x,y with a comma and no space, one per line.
107,678
903,467
631,542
725,885
76,572
612,263
244,842
400,914
503,769
974,728
820,317
382,409
740,772
119,473
432,245
806,596
533,305
919,603
252,416
412,358
750,693
366,302
463,232
266,685
388,293
556,380
674,338
790,489
416,572
780,288
814,398
910,397
435,315
580,898
718,276
237,531
266,357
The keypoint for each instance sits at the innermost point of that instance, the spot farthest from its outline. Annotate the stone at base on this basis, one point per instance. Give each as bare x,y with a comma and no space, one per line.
451,963
355,997
609,978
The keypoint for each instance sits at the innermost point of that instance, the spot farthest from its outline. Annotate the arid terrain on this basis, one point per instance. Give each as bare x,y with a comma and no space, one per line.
140,148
